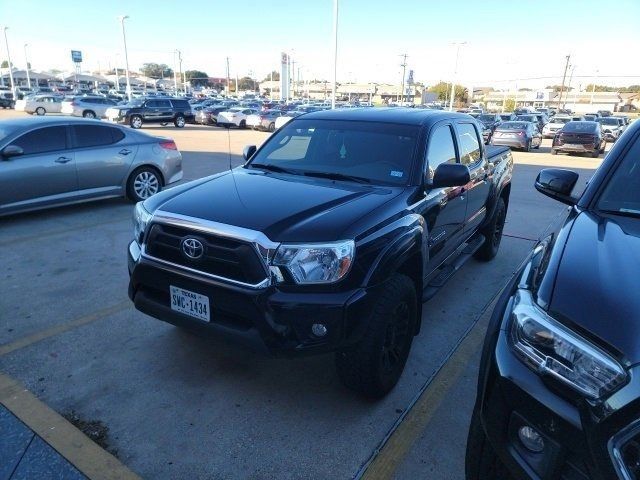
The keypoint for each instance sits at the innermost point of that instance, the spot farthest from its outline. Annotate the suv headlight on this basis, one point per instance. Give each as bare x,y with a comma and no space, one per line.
316,263
550,348
141,218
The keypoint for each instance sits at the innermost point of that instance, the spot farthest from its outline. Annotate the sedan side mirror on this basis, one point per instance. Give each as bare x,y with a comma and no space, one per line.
558,184
248,151
12,151
450,175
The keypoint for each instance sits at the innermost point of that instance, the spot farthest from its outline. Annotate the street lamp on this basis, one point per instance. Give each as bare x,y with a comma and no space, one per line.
122,18
6,44
335,53
593,86
26,60
455,74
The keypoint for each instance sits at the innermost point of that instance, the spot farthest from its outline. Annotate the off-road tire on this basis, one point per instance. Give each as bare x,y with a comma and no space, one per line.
492,233
481,461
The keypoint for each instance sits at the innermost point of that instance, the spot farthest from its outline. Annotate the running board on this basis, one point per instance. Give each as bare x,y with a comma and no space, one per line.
447,270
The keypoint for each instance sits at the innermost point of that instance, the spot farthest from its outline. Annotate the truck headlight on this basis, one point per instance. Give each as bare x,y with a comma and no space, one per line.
550,348
316,263
141,218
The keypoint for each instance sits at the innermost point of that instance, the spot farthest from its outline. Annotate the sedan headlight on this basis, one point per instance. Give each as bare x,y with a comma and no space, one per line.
552,349
316,263
141,218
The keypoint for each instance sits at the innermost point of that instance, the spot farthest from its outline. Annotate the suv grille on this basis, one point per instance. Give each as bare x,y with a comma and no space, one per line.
631,456
625,450
227,258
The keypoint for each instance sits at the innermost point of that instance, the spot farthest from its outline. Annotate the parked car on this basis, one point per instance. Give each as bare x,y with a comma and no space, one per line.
155,110
555,125
283,119
87,107
265,120
539,119
490,121
53,161
605,113
236,116
558,394
40,104
318,243
517,134
579,137
6,98
612,127
209,115
507,117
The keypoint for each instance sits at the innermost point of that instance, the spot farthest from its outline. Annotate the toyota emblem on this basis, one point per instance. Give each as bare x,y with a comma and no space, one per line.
192,248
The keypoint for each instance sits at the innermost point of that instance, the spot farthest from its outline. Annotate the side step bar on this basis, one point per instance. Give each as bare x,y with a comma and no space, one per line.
446,271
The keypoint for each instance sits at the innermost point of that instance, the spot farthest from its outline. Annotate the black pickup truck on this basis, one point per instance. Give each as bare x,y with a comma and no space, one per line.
329,238
559,384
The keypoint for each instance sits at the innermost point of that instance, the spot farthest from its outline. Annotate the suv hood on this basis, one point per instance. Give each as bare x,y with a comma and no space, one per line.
283,207
597,285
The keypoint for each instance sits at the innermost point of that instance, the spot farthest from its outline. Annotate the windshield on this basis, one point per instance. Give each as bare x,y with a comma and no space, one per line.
487,118
561,120
527,118
513,126
609,121
588,127
378,152
622,192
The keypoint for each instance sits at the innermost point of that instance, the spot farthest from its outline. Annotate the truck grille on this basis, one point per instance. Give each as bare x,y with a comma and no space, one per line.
625,450
223,257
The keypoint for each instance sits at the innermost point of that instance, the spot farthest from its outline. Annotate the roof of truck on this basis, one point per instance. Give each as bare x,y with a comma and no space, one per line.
401,115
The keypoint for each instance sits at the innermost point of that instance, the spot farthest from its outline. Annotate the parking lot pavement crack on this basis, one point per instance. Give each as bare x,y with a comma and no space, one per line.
63,327
61,435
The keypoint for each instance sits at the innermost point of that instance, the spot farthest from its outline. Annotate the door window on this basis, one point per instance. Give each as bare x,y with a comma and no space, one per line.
151,104
95,135
163,103
441,149
42,140
468,143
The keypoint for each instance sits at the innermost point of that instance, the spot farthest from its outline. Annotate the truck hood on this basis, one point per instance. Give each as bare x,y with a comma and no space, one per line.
598,281
284,207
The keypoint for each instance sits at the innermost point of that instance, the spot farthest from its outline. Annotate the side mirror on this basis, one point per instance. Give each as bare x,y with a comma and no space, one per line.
248,151
12,151
450,175
558,184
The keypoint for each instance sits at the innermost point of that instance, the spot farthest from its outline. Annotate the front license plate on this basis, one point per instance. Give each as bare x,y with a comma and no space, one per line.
574,146
190,303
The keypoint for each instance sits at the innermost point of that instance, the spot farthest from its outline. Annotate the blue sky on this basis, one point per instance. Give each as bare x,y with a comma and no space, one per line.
507,41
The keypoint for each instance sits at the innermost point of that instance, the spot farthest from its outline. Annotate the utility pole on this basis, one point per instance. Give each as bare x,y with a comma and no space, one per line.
271,89
335,53
593,86
180,64
26,61
404,70
126,55
6,43
228,79
573,67
175,73
455,74
564,76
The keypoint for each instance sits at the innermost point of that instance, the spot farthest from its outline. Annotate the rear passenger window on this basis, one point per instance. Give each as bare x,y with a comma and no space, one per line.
441,149
468,143
94,135
163,103
42,140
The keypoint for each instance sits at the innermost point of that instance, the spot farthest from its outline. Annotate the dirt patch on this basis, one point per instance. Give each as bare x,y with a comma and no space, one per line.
96,430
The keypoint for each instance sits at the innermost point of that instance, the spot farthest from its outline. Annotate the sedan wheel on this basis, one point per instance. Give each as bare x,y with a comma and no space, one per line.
89,114
40,111
143,183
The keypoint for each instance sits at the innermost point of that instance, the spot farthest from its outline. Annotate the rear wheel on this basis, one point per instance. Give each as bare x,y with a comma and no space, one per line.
243,124
595,153
481,461
374,366
40,111
88,114
528,147
179,121
142,183
554,151
272,127
493,233
135,121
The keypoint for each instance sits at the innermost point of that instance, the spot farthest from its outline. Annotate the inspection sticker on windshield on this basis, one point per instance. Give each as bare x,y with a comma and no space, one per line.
396,173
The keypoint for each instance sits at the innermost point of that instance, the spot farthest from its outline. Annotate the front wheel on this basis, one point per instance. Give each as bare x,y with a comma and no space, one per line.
135,121
40,111
374,366
243,124
89,114
179,122
143,183
493,233
272,127
554,151
595,153
528,147
481,461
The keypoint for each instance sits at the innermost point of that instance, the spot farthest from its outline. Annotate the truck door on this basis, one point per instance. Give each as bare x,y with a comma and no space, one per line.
443,209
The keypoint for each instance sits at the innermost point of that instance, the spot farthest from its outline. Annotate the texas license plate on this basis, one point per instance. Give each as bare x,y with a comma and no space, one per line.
574,146
190,303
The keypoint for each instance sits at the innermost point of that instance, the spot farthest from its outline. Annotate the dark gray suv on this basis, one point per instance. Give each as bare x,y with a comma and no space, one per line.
152,110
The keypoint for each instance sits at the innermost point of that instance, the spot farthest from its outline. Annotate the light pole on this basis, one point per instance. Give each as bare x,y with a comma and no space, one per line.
335,53
26,61
593,86
122,18
455,74
6,44
573,67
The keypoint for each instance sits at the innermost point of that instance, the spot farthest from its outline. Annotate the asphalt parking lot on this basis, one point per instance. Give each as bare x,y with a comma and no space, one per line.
177,406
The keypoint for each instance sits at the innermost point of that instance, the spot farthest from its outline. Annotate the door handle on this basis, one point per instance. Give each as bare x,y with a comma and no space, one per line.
124,151
62,160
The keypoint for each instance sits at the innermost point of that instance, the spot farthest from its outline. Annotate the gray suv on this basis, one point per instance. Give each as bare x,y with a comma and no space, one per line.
87,107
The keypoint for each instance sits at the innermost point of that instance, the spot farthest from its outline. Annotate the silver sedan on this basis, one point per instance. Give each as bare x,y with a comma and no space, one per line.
46,162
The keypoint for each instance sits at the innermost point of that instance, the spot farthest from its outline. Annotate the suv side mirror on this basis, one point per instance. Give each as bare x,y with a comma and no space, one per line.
248,151
12,151
558,184
450,175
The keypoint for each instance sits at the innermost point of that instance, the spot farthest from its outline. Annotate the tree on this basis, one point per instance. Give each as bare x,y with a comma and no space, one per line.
247,83
4,64
509,105
555,88
276,77
525,90
443,90
156,70
197,78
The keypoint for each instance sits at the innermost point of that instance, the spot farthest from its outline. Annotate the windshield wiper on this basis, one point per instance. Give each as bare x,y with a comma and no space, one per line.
337,176
273,168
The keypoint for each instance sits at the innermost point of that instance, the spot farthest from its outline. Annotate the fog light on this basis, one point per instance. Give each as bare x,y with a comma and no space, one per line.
319,330
531,439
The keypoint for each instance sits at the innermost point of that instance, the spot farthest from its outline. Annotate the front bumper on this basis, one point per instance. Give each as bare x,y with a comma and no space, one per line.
269,320
576,434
